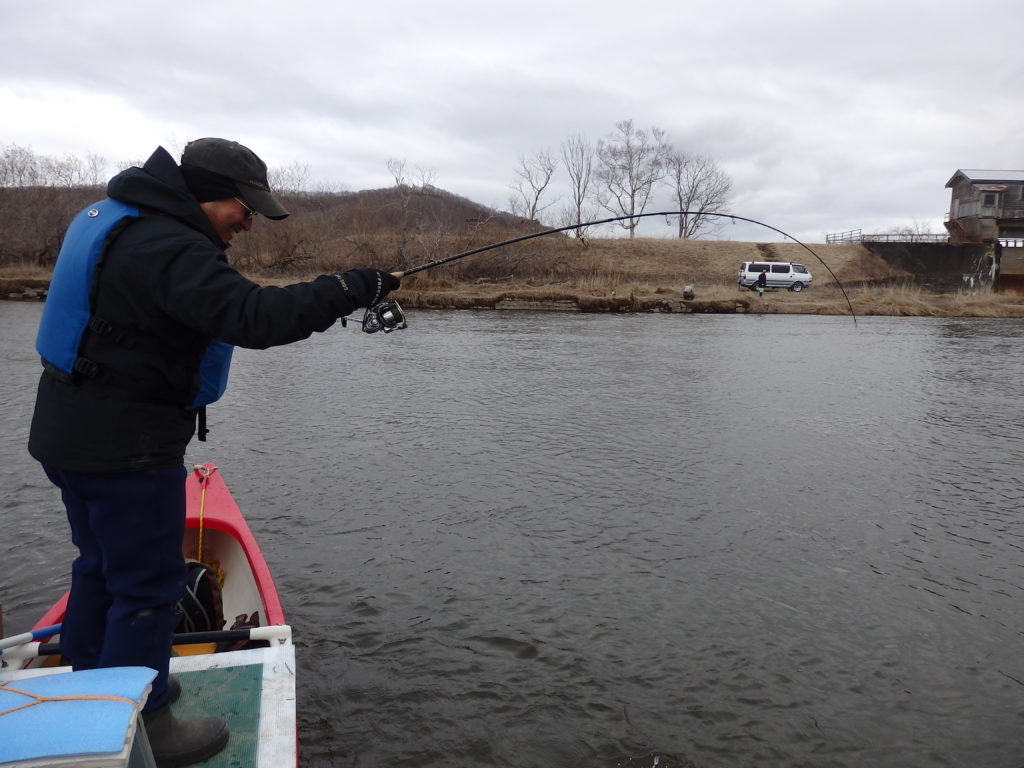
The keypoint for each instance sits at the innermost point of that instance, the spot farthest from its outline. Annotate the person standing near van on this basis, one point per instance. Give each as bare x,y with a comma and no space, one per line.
762,282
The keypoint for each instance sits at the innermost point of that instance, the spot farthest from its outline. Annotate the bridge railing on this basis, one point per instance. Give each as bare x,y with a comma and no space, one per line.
908,238
850,236
857,236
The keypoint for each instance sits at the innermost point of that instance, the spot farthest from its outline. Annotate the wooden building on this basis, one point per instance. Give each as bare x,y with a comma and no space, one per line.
986,206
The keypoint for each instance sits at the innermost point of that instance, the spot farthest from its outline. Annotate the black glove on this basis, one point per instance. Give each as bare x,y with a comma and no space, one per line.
367,286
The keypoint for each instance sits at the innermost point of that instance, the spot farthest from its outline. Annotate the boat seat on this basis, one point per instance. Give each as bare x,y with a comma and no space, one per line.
86,719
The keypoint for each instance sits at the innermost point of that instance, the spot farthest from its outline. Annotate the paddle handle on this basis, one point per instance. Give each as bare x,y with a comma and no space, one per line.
27,637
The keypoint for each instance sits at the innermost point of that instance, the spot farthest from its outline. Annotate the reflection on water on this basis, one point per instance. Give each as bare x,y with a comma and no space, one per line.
513,539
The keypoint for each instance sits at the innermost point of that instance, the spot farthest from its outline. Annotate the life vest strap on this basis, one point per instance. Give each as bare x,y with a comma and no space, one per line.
60,375
104,328
85,366
201,430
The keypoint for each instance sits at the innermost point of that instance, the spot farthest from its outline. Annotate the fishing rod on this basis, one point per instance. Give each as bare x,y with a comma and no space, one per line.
388,315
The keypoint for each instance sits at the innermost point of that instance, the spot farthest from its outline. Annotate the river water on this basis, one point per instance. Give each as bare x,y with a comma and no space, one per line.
518,539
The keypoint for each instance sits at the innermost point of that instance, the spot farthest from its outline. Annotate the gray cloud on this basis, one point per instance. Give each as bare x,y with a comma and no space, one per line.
828,114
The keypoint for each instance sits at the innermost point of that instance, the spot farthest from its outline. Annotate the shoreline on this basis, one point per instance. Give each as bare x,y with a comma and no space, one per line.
866,301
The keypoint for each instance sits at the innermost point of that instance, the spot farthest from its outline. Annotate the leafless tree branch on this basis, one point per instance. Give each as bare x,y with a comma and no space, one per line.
631,161
700,186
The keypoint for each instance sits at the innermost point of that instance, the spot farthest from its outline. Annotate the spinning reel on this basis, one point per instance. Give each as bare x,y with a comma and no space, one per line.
386,316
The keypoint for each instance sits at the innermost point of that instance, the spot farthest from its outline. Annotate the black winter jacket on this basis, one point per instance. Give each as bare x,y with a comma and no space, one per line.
165,286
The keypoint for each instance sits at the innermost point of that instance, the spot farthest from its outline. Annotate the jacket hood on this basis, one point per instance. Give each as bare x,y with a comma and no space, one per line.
159,185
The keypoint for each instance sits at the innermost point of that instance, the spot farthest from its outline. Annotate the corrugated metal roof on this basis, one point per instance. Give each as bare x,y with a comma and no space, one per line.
974,174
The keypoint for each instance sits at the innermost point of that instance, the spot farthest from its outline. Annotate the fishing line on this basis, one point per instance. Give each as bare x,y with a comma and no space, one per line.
388,316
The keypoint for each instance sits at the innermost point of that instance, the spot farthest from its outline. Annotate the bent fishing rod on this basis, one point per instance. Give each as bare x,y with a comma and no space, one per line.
388,315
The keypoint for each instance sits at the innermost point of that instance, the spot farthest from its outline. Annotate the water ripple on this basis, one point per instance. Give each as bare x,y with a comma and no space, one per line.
646,542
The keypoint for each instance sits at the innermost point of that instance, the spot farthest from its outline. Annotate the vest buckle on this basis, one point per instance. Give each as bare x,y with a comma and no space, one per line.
85,366
99,326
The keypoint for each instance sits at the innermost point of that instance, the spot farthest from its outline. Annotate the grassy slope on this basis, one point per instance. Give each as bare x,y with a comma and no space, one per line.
553,268
652,267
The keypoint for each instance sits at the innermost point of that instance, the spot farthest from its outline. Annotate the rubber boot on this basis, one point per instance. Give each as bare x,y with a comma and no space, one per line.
174,687
183,742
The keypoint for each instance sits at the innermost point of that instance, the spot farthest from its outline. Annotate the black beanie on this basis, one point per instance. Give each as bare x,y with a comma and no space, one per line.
207,185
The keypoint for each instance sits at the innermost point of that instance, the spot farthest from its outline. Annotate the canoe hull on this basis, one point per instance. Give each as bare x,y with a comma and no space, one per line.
253,687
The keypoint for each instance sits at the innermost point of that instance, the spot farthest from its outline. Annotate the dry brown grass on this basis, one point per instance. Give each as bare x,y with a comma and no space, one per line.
618,264
910,301
634,271
24,272
622,274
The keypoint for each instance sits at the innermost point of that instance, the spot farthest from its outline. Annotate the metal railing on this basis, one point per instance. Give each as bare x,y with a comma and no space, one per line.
857,236
905,238
851,236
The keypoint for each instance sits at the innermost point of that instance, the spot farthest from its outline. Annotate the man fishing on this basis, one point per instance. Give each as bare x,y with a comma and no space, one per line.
135,341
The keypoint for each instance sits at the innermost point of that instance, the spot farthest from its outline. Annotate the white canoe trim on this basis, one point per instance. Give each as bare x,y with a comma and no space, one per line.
277,728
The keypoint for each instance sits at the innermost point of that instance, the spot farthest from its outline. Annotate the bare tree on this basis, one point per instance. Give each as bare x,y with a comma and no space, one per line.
630,162
534,176
917,227
20,167
291,178
95,170
578,159
412,222
699,186
66,171
124,165
425,177
396,167
423,180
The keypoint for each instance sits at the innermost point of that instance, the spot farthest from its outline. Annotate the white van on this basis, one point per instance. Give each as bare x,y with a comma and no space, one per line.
780,274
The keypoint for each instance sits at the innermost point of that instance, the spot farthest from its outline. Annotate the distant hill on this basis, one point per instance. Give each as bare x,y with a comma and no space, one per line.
396,207
33,221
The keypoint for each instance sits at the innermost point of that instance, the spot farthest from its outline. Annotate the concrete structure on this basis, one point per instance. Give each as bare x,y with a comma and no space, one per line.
986,206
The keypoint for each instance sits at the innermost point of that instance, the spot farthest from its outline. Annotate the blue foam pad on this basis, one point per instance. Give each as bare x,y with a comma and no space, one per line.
52,729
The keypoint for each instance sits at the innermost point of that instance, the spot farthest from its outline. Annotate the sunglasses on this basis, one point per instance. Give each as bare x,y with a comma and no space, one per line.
252,214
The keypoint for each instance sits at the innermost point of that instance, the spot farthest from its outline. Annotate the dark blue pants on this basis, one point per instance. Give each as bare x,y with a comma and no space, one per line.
129,572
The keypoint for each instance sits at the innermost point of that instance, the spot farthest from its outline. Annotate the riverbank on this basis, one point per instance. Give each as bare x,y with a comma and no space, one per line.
648,275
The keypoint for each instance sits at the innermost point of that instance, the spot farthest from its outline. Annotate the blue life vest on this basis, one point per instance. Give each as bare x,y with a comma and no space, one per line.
67,313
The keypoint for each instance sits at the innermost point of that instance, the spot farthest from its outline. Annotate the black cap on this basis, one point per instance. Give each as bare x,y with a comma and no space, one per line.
241,165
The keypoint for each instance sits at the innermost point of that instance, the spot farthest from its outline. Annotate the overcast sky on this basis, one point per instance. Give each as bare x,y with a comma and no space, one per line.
827,114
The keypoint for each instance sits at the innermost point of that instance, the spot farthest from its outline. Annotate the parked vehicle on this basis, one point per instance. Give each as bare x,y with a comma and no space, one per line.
780,274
